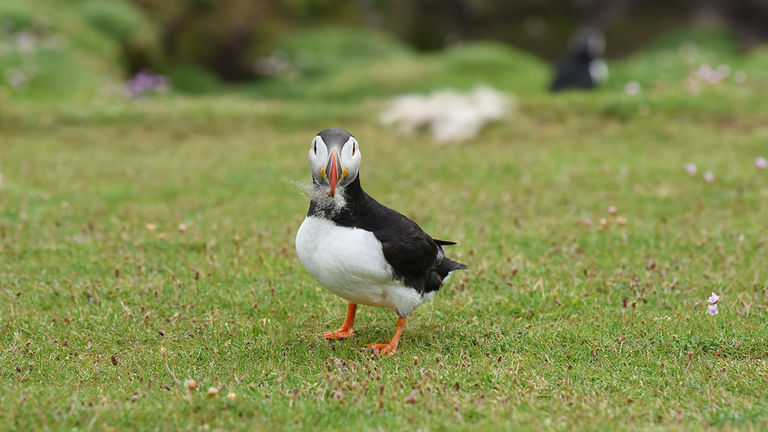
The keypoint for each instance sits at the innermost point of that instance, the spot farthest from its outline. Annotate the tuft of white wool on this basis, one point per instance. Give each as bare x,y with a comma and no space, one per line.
449,115
327,205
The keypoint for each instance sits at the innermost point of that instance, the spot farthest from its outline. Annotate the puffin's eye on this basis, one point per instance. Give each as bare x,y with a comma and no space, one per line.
314,146
353,149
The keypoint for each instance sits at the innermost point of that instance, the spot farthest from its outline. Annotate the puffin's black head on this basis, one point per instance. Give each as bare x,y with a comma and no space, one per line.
334,157
588,41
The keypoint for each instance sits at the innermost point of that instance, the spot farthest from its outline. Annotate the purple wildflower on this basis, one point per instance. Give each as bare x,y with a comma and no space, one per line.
690,168
712,309
714,298
145,82
709,177
761,163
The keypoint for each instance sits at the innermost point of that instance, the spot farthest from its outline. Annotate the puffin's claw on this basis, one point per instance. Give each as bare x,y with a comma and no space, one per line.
339,334
381,349
390,348
346,329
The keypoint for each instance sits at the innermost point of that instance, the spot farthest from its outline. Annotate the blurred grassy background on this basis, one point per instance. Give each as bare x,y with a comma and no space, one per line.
83,51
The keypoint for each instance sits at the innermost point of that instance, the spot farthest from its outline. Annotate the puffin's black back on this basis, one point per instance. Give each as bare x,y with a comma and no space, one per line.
573,72
417,259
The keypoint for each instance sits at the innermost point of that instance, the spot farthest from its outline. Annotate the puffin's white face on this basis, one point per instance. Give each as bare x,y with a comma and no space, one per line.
335,163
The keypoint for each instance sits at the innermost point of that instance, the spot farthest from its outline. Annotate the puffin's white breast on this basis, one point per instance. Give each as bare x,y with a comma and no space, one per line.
350,263
598,70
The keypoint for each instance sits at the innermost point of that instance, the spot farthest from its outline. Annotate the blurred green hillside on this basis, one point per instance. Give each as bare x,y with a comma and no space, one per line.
62,52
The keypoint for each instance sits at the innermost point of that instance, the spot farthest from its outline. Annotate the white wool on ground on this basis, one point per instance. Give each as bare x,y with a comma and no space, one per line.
448,114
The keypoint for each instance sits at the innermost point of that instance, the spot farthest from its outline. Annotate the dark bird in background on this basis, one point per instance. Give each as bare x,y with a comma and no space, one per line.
361,250
583,67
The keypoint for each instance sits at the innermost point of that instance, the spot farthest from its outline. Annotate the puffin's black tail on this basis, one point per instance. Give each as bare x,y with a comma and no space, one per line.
444,265
447,266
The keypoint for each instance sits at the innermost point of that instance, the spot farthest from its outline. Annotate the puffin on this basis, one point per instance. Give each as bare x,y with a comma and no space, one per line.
583,67
360,250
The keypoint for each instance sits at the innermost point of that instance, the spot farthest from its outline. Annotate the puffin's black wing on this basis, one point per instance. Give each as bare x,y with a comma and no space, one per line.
416,258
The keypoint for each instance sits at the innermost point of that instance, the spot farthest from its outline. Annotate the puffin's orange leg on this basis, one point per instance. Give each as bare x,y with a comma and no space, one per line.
346,329
391,347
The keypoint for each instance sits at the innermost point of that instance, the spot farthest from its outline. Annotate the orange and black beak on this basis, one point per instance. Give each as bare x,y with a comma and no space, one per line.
333,170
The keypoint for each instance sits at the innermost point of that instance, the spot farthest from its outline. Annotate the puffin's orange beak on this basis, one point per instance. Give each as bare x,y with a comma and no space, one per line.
333,171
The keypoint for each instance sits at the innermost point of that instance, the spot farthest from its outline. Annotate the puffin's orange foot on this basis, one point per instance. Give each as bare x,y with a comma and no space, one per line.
339,334
381,349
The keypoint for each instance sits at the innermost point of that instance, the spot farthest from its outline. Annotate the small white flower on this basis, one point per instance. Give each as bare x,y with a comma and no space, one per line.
690,168
704,72
709,177
632,88
713,298
723,71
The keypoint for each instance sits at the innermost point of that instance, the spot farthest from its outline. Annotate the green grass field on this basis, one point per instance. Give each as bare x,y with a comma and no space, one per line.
107,307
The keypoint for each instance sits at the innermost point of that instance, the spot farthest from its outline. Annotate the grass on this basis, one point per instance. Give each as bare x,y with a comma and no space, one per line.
107,307
534,335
